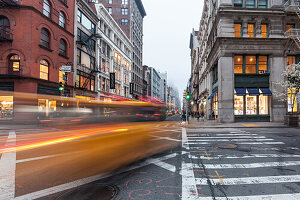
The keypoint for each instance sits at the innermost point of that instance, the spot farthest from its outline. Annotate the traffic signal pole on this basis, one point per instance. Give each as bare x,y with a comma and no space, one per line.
186,112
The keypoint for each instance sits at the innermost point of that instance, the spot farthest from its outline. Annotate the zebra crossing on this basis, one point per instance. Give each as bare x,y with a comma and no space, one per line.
262,173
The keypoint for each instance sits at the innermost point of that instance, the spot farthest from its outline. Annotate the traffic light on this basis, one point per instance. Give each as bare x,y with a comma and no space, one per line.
184,95
188,96
61,87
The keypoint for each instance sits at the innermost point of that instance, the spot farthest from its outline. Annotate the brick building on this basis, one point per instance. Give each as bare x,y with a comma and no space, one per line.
36,39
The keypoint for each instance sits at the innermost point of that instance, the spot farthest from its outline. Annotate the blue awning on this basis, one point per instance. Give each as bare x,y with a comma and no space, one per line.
212,95
266,91
240,91
253,91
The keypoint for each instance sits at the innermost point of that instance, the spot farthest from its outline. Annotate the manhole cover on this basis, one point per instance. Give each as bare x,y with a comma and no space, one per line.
91,191
225,146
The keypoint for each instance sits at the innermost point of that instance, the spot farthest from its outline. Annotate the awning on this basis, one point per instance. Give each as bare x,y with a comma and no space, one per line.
253,91
212,95
266,91
240,91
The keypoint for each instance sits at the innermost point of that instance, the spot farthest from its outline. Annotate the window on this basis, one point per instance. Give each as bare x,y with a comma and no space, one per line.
264,30
82,37
238,105
62,19
46,8
86,22
238,30
14,63
238,3
250,3
289,26
85,59
251,105
291,60
109,9
124,22
44,69
124,2
62,47
238,64
110,1
262,3
45,38
262,64
292,100
4,27
85,81
263,105
61,76
250,65
124,11
251,30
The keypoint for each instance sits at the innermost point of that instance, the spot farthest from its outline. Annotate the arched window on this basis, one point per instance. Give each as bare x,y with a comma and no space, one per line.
45,38
46,8
62,47
44,70
14,63
62,19
4,27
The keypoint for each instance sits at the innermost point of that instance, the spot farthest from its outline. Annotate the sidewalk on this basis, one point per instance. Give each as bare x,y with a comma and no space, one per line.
203,123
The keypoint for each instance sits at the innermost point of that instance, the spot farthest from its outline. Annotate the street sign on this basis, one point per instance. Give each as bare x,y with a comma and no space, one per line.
66,68
131,88
112,82
65,77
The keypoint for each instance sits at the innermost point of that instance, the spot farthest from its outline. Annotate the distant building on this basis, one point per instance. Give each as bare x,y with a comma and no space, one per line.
163,86
155,83
146,81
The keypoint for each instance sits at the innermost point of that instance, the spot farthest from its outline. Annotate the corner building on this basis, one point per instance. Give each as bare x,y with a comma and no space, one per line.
243,51
36,39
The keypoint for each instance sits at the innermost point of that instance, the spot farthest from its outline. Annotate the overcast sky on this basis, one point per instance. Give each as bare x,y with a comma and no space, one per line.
167,29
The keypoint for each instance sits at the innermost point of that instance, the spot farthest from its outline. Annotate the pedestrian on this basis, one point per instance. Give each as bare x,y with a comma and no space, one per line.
213,115
197,115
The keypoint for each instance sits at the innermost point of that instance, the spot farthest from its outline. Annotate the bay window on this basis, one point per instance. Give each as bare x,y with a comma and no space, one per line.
250,64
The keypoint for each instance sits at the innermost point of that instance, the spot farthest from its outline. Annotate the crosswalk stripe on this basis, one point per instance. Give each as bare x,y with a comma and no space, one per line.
247,156
295,196
251,165
243,134
236,134
228,140
250,180
193,143
231,137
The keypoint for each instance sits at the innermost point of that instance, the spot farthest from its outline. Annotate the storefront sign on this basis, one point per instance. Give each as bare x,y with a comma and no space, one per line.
66,68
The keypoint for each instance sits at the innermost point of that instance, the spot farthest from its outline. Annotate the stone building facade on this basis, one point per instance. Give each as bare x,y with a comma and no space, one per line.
243,51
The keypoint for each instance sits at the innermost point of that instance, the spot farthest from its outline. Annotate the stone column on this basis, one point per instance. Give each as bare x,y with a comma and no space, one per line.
278,105
225,91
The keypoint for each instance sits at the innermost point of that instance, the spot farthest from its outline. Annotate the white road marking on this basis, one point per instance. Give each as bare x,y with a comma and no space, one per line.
229,140
166,138
239,143
251,165
252,148
77,183
246,156
189,190
162,164
230,137
45,157
249,180
8,170
295,196
199,135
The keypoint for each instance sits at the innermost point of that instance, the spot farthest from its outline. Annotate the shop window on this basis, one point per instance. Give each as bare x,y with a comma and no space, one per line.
238,105
263,105
250,3
6,107
62,47
62,19
46,8
45,38
251,30
250,65
251,105
44,70
292,100
238,64
215,104
4,27
85,81
264,30
14,63
237,30
262,64
46,107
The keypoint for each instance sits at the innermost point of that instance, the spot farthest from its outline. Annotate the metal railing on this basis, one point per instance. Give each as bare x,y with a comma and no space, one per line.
292,5
292,33
5,70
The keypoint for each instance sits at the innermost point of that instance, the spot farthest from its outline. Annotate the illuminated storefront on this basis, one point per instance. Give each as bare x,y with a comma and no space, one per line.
252,103
6,107
214,103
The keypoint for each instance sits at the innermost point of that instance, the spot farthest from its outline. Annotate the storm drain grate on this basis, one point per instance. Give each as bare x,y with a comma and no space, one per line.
226,146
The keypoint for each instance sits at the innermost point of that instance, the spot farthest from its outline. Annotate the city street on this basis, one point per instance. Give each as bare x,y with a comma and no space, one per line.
210,163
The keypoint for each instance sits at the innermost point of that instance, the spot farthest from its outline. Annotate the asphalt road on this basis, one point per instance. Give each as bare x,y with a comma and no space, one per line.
231,163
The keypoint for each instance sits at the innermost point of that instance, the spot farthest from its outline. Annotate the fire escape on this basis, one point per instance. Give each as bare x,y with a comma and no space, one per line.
293,6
